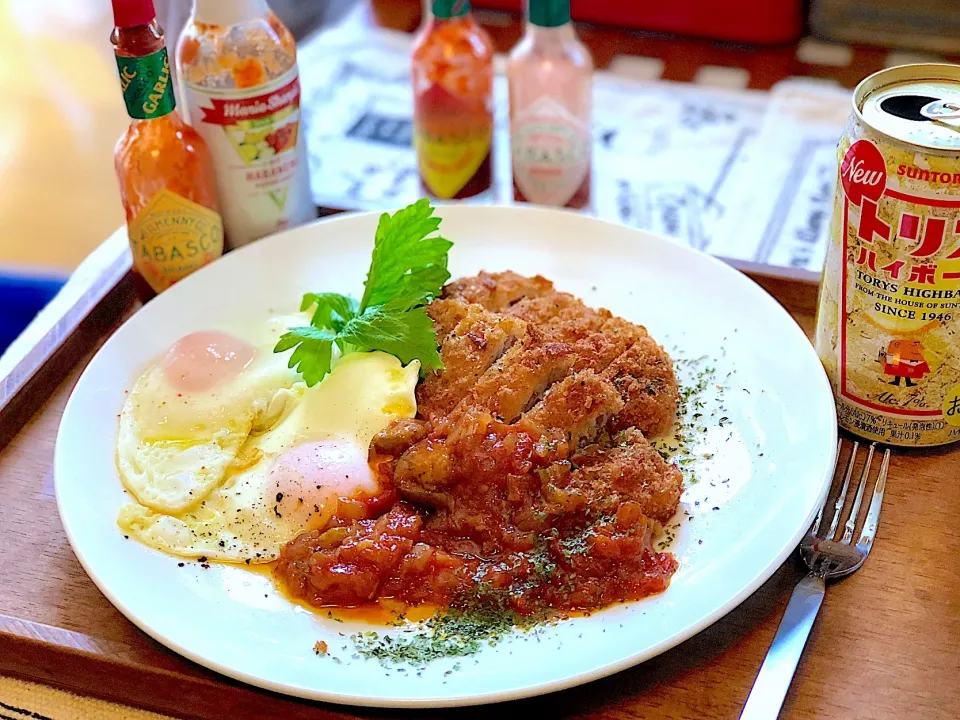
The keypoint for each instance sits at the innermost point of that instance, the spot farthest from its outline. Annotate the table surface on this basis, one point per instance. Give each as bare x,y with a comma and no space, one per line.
885,645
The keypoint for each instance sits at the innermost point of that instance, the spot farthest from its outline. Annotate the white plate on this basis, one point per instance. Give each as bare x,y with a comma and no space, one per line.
771,465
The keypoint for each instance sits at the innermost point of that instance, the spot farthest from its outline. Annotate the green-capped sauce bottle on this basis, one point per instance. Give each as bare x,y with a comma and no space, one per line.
550,76
453,103
163,165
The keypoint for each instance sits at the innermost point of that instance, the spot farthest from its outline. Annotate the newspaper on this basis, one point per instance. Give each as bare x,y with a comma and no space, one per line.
716,169
787,176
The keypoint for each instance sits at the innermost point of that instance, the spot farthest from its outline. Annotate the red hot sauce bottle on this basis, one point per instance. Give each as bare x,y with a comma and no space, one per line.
164,167
453,103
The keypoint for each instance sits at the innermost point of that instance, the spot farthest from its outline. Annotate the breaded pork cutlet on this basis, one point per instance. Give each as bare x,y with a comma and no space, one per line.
522,360
572,412
644,377
446,314
502,394
519,379
597,336
556,306
630,469
578,407
497,291
477,340
596,351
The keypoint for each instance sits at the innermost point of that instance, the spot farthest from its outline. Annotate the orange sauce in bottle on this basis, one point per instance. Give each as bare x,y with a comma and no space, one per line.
164,168
453,103
240,85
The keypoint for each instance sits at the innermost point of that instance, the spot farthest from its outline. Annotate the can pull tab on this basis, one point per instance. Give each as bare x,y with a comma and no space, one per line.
941,110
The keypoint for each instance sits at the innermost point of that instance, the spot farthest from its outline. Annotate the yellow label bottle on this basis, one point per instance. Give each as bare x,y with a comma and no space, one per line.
172,237
163,165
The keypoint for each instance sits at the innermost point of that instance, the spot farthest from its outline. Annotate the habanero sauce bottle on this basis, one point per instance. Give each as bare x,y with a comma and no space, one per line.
237,65
163,165
550,76
453,103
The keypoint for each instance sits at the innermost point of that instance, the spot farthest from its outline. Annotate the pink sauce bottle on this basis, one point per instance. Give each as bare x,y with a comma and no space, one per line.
551,99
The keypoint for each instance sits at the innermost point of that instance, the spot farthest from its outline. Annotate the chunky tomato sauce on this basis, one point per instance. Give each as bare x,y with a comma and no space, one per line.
510,525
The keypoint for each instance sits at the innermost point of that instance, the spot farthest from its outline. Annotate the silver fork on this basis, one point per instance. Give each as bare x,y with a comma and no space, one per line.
828,559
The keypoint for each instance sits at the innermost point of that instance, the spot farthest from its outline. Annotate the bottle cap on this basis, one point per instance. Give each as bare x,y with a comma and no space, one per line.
444,9
131,13
549,13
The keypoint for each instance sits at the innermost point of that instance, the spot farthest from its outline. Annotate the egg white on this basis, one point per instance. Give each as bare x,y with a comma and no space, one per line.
244,519
174,447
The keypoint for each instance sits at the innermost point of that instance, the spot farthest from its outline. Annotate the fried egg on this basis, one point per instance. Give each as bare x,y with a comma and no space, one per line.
289,477
187,416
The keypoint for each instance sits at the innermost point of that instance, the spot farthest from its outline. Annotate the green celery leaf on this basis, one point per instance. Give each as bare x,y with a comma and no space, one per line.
312,356
407,270
404,332
406,263
333,309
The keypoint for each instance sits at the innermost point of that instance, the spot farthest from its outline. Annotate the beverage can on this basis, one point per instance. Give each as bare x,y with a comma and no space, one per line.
889,307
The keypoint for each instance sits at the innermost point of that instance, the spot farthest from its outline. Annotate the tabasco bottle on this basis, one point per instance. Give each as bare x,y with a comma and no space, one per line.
237,65
164,167
550,76
453,103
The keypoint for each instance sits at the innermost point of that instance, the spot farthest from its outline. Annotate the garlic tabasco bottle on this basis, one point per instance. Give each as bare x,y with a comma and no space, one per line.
238,71
453,103
164,167
551,97
888,324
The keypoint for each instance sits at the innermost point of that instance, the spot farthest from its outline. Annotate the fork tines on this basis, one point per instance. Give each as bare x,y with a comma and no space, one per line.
841,502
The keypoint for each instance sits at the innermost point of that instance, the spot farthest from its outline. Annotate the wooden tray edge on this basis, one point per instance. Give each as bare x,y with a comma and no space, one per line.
54,656
92,300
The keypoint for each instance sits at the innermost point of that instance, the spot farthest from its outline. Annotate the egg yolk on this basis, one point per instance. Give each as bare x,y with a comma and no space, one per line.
309,479
201,360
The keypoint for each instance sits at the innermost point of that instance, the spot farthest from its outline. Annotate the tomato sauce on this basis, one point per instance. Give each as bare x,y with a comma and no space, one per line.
508,532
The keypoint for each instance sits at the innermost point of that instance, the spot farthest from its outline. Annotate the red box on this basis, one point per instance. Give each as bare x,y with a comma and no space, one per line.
763,22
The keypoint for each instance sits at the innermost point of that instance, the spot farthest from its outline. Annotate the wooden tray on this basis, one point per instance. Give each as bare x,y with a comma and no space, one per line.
886,644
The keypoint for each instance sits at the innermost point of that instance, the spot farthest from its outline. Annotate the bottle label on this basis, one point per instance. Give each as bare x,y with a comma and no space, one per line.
451,140
145,81
171,237
259,154
889,313
551,152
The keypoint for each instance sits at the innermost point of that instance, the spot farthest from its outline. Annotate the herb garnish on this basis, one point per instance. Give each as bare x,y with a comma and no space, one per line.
699,389
407,270
477,619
